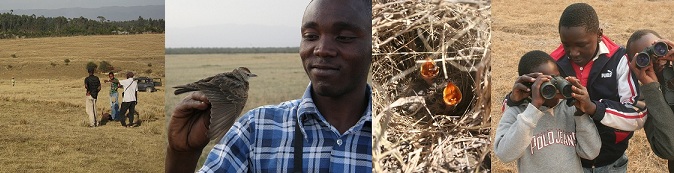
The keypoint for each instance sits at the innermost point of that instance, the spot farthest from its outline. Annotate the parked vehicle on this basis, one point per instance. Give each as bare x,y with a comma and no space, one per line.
148,84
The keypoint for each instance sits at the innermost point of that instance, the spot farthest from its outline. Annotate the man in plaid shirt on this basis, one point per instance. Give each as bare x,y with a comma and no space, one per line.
333,117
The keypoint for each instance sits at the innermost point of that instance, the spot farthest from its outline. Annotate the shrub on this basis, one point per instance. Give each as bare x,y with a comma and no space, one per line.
52,64
106,67
13,55
67,61
149,64
148,71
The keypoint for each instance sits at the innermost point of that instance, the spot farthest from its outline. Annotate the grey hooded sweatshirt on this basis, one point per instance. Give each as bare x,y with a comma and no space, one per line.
546,140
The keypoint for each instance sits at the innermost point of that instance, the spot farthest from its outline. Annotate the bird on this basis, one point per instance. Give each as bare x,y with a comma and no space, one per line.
227,92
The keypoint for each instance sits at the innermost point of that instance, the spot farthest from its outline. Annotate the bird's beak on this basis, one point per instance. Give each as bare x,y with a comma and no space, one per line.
252,75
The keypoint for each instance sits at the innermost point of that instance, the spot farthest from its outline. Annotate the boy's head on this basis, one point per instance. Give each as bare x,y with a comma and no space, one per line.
640,40
537,61
579,32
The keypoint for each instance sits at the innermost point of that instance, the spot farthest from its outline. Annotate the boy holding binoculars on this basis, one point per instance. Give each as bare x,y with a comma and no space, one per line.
544,134
651,58
602,67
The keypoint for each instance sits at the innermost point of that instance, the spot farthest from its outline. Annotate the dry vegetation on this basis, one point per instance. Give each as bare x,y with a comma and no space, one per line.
519,28
414,131
43,116
280,77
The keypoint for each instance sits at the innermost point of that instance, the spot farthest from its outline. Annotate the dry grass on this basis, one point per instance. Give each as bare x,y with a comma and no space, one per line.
280,77
43,116
414,131
519,28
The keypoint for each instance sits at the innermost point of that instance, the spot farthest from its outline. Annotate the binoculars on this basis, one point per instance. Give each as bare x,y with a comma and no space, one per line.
557,83
549,89
657,50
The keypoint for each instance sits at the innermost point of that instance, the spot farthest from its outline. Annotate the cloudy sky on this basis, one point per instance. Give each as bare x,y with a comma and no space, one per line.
55,4
233,23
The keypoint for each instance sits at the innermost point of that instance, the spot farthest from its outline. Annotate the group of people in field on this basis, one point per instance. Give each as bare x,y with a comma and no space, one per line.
586,128
129,94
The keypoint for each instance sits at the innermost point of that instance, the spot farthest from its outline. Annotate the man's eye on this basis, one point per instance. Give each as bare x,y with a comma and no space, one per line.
310,37
345,39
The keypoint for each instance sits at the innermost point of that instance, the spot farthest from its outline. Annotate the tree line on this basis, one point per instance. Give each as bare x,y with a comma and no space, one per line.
32,26
220,50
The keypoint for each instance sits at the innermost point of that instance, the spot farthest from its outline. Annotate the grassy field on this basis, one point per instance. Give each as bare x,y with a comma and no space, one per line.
43,116
519,28
280,77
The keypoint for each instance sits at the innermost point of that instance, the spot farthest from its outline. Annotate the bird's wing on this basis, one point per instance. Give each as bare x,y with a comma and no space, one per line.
191,86
228,97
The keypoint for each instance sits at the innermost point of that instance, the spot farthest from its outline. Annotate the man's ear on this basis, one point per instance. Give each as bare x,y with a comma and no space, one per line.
600,33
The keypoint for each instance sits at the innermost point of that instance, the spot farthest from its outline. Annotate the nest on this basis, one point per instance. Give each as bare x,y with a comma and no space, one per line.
414,130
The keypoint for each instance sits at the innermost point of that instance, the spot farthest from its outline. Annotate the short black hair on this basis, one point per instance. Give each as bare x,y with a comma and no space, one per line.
531,60
637,35
580,14
90,70
111,73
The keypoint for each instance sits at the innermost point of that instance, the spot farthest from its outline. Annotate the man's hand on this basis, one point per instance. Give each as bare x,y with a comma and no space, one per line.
583,102
536,98
646,74
520,90
187,133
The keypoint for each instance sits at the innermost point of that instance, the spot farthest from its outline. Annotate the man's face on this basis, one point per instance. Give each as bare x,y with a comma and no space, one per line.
579,44
336,45
641,44
111,76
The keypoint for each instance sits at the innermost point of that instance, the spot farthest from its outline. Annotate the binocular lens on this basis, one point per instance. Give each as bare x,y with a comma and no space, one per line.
660,48
643,59
566,91
548,90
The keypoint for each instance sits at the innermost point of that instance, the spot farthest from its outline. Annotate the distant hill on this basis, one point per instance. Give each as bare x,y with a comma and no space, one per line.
112,13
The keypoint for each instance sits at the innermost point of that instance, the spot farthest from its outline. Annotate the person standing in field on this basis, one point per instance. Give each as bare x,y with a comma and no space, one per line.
129,99
93,86
13,81
114,104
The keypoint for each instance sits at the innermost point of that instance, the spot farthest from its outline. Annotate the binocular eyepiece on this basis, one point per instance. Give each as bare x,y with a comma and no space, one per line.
557,83
644,57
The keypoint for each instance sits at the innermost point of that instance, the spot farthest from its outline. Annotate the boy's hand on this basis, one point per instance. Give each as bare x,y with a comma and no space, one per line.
536,98
646,74
520,90
583,102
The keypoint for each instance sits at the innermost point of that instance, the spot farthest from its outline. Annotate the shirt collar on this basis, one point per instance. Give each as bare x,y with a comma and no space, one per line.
602,50
307,108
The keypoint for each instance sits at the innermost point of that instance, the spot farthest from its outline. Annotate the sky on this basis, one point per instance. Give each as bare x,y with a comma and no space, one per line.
56,4
234,23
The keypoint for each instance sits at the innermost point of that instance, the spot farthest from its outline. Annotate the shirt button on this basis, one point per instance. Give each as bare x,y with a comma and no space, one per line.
581,68
339,142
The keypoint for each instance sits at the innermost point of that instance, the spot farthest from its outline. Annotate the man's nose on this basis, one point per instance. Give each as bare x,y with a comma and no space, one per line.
574,52
326,47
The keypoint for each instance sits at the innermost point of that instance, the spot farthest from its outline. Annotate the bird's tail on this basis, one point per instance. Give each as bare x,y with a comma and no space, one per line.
183,89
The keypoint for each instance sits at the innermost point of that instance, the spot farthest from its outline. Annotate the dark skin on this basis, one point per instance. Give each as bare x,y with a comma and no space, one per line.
111,76
647,74
579,44
336,55
544,74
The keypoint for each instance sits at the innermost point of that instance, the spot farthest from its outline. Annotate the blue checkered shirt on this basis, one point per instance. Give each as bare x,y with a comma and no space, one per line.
261,141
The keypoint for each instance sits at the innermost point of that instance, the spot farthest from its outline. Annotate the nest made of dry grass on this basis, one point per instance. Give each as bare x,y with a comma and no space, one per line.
457,35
